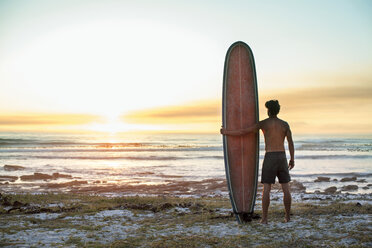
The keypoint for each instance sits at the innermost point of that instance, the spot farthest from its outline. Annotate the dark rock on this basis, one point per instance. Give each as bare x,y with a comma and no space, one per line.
18,204
8,178
36,176
348,179
166,206
58,175
330,190
349,188
297,186
67,184
185,204
358,204
361,181
365,187
42,176
335,180
369,185
322,179
8,167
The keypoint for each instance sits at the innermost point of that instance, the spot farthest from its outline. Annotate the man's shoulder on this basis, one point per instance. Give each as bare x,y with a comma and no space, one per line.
267,122
284,124
262,123
273,120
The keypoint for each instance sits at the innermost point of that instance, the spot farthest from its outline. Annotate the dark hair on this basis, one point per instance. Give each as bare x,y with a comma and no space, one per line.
273,107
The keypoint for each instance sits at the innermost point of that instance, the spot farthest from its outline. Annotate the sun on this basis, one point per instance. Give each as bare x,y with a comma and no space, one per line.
109,123
112,123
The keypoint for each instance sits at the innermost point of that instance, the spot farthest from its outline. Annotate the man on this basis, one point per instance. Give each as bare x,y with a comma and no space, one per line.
275,164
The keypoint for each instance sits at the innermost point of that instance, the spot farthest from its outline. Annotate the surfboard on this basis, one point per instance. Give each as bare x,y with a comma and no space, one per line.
240,110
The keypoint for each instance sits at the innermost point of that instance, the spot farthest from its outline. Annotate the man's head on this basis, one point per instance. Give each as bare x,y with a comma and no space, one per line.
273,107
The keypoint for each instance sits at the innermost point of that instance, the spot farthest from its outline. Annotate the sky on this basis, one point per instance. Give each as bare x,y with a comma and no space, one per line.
121,66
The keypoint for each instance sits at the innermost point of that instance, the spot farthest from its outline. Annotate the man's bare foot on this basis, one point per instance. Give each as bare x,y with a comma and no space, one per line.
263,221
287,219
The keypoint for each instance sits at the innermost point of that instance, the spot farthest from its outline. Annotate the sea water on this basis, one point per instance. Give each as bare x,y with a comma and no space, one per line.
157,158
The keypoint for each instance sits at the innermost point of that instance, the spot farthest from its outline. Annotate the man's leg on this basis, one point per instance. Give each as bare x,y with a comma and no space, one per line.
287,199
265,202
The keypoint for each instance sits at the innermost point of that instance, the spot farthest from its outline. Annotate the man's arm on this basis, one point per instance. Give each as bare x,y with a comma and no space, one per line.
291,147
254,128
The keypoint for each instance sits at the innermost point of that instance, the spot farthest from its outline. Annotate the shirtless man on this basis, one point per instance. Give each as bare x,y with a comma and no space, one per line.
275,164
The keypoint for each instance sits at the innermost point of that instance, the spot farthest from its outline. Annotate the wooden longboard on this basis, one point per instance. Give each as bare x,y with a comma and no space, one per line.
240,110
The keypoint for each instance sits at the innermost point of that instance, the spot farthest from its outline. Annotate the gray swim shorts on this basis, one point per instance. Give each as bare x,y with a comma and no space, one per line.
275,165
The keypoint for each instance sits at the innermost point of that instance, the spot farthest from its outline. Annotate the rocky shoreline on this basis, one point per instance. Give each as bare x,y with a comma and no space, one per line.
171,184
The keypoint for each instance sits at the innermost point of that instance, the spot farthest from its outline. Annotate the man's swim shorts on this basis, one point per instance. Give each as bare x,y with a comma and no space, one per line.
275,165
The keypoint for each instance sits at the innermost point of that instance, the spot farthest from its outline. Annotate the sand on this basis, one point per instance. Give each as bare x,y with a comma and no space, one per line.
78,220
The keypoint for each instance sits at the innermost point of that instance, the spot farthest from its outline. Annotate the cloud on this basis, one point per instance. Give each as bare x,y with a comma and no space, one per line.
311,110
326,109
206,111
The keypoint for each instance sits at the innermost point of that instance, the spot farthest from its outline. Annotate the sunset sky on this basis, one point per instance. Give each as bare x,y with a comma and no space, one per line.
118,66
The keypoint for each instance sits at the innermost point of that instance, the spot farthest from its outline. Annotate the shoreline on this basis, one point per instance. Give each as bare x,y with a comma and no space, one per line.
19,179
172,186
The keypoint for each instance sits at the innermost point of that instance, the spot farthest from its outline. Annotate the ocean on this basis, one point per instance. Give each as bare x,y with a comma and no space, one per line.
158,159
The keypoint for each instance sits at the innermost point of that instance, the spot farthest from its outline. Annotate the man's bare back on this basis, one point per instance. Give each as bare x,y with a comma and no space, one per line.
275,130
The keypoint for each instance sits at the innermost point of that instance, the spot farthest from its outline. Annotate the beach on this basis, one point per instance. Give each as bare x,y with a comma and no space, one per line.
170,190
70,220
